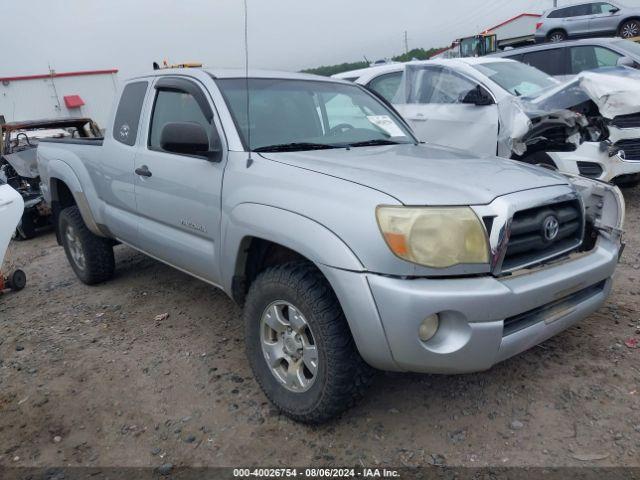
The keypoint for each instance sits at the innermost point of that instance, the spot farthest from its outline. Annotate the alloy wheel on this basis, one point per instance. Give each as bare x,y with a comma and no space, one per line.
630,30
288,346
75,247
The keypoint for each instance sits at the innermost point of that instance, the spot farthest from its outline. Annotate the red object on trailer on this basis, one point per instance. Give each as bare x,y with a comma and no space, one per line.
73,101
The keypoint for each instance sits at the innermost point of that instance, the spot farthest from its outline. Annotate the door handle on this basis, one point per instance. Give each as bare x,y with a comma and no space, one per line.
143,171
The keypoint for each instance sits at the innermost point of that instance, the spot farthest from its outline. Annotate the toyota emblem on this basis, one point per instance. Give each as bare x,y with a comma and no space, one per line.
550,228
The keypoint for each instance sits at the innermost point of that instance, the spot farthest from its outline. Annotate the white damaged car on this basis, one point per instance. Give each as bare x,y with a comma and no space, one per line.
497,106
11,208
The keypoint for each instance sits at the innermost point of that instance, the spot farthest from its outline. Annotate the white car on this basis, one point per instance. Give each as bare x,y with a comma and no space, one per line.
11,208
431,99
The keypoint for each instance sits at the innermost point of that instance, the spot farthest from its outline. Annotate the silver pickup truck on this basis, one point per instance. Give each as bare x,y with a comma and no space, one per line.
349,244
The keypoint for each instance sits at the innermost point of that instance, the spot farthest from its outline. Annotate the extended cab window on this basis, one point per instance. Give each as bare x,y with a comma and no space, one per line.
386,85
589,57
439,85
550,61
174,106
125,126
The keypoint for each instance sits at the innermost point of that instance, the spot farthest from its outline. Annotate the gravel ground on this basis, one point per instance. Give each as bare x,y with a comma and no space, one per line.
93,376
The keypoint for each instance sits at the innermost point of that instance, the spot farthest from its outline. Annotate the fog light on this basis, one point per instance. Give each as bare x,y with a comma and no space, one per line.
429,327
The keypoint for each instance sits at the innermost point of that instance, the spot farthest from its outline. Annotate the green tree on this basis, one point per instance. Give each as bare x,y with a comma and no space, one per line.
328,70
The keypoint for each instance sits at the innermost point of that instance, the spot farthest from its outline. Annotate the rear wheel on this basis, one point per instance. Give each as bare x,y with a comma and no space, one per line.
27,229
557,36
630,29
299,344
90,256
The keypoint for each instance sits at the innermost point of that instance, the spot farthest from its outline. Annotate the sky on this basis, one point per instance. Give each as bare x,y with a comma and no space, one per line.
291,35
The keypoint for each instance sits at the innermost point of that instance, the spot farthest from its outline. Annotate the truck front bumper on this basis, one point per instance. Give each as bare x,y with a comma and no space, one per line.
483,320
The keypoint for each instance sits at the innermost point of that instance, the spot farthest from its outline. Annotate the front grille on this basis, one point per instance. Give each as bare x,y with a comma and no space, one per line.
550,310
540,233
630,147
590,169
627,121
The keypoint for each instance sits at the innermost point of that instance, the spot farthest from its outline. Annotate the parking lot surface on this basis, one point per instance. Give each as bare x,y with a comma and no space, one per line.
149,369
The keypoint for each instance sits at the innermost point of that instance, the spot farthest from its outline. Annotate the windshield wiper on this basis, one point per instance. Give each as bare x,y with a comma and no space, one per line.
298,146
378,141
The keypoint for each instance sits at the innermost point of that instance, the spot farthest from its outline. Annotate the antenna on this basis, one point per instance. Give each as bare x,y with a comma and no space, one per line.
246,78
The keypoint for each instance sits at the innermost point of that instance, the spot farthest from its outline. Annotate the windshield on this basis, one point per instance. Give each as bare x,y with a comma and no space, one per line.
628,46
517,78
305,115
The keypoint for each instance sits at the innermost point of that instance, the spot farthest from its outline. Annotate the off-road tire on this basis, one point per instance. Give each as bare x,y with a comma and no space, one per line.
98,251
342,375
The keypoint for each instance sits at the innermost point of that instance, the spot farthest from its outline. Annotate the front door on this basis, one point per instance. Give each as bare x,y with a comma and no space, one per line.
435,111
605,18
179,196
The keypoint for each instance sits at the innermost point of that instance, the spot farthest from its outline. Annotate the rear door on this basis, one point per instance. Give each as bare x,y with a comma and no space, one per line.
179,196
435,112
604,18
113,170
552,61
577,21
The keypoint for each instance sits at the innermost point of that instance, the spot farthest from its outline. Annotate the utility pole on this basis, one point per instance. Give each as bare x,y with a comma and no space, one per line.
406,42
555,3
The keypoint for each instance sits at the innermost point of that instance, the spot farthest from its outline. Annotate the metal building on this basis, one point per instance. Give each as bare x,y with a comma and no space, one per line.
55,95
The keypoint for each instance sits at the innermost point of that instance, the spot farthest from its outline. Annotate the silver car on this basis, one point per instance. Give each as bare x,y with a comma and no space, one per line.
586,20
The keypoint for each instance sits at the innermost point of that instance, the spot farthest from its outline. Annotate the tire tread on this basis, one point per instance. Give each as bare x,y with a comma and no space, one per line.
348,375
100,262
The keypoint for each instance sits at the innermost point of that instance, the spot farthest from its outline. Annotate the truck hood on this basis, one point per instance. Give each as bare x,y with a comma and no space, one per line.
424,174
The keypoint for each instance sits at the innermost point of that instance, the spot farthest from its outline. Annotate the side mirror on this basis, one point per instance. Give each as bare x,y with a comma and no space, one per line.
478,96
626,62
614,10
188,138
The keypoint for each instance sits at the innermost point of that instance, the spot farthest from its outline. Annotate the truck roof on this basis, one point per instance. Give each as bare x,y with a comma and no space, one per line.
235,73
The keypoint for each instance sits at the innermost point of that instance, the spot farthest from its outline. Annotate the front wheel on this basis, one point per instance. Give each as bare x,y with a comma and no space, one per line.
90,256
299,344
630,29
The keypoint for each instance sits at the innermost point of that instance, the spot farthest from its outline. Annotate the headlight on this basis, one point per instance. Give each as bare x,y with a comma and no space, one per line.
437,237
